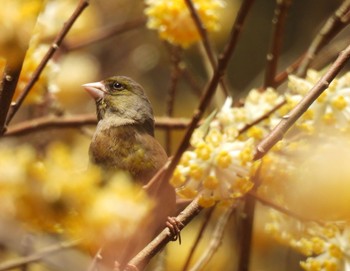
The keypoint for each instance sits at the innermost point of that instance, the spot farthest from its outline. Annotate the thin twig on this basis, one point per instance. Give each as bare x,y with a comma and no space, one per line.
216,239
94,263
283,210
192,82
278,23
158,243
288,120
282,76
262,117
103,34
175,74
54,46
205,40
77,121
330,29
210,90
35,257
7,90
199,237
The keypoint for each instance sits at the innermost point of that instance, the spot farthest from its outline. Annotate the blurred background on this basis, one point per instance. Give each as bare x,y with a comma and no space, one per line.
138,52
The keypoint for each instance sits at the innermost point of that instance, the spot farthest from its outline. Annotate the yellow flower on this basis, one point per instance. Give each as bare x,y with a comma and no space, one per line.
174,23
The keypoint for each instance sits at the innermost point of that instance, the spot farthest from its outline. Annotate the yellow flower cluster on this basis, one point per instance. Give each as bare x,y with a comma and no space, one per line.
60,194
308,174
332,108
17,20
174,23
326,247
26,32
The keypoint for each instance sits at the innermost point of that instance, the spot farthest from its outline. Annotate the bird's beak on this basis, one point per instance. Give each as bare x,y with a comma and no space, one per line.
97,90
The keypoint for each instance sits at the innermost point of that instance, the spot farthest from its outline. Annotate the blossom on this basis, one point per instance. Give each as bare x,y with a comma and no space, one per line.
174,23
68,195
256,105
217,169
332,108
17,20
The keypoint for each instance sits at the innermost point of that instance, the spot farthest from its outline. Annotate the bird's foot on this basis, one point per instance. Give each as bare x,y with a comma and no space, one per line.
174,226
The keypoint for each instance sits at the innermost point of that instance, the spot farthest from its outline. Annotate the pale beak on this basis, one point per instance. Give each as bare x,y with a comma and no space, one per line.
97,90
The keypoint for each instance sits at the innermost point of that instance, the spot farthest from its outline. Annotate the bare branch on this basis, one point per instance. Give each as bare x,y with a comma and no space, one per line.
54,46
77,121
278,23
216,239
283,210
175,74
199,237
35,257
7,90
103,34
210,90
288,120
331,28
205,40
158,243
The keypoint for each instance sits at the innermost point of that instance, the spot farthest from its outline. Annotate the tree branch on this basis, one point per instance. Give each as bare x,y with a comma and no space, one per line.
199,237
35,257
7,90
331,28
211,87
103,34
158,243
278,23
216,239
54,46
205,40
288,120
76,121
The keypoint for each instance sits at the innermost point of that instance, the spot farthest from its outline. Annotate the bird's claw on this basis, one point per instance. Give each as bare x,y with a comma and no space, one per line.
174,226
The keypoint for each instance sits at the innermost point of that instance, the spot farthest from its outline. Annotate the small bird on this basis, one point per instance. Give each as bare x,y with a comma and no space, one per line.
124,140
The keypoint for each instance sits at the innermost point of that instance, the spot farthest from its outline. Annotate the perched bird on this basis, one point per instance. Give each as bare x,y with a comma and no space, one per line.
124,140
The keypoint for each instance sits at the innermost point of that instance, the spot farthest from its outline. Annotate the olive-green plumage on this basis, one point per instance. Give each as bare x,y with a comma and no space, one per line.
124,140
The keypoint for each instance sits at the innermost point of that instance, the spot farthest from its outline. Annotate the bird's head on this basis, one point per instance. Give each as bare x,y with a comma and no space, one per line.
121,98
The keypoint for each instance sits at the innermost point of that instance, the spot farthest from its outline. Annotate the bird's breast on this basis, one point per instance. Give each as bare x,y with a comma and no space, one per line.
127,148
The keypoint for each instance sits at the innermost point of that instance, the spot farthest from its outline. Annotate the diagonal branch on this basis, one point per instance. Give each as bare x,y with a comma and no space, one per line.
103,34
38,256
76,121
7,90
210,90
331,28
278,23
54,46
288,120
199,237
205,40
159,242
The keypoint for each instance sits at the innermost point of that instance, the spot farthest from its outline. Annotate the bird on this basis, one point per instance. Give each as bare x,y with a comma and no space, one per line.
124,140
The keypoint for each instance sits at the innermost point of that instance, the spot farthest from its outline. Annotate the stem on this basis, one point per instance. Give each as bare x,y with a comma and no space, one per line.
205,40
175,74
7,90
216,239
330,29
288,120
210,90
54,46
77,121
278,23
104,33
35,257
159,242
199,237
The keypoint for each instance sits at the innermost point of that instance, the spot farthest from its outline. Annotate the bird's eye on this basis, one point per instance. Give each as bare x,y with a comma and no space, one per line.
117,86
